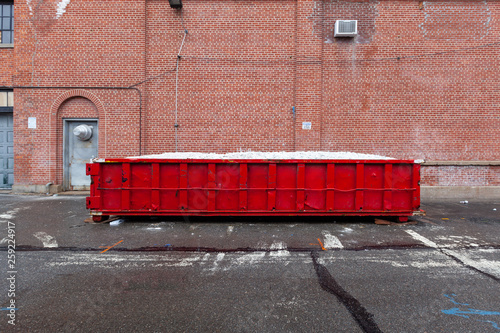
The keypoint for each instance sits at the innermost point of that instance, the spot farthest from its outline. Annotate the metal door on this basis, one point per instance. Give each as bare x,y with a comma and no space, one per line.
80,146
6,150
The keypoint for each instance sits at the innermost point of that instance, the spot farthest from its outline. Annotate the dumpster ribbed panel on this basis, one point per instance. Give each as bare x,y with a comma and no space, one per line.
254,187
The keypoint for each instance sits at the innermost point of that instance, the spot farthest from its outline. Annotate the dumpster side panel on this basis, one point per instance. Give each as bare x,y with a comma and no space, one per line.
402,179
245,187
315,184
227,181
345,184
286,187
416,186
169,186
197,179
258,179
110,184
141,184
374,183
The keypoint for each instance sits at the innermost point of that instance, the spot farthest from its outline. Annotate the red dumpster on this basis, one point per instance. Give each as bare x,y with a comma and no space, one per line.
156,186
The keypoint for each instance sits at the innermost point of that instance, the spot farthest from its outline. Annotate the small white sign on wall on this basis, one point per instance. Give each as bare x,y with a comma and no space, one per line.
306,125
32,122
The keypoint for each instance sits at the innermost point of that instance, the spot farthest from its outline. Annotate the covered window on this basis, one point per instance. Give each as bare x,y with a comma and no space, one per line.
6,100
6,22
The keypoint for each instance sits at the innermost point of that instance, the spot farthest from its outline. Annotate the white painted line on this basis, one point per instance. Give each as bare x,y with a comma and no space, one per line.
9,215
482,265
47,240
330,241
422,239
489,266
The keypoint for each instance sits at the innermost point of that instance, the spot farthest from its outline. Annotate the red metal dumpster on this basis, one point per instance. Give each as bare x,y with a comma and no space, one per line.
253,187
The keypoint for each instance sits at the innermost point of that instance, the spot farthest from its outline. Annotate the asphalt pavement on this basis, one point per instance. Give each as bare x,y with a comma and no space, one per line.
438,273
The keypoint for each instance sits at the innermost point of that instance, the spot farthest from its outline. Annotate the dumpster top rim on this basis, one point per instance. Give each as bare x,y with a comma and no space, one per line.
266,155
307,161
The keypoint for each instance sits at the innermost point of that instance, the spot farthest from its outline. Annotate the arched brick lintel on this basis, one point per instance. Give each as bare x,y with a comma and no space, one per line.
76,93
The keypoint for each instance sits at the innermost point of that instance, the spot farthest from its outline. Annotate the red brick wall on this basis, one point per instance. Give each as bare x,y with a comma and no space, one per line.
236,76
308,83
95,44
6,66
461,175
38,152
420,81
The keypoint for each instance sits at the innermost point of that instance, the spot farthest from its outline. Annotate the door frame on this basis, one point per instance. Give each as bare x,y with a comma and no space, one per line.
66,181
8,111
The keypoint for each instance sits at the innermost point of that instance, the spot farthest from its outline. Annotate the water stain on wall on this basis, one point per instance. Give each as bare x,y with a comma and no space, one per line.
451,20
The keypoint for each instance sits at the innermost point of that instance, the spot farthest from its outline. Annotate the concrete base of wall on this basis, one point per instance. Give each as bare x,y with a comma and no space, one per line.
52,189
428,193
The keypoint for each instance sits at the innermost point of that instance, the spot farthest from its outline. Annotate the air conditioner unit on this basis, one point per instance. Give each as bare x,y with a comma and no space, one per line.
346,28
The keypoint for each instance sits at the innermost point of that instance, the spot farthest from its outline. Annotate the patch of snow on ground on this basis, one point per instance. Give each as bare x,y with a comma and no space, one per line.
47,240
281,247
282,155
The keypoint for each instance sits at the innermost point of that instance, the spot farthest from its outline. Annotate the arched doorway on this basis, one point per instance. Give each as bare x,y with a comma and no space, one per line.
77,139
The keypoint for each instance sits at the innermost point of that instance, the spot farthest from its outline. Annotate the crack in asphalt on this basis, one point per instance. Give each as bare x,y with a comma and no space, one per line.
477,270
362,317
